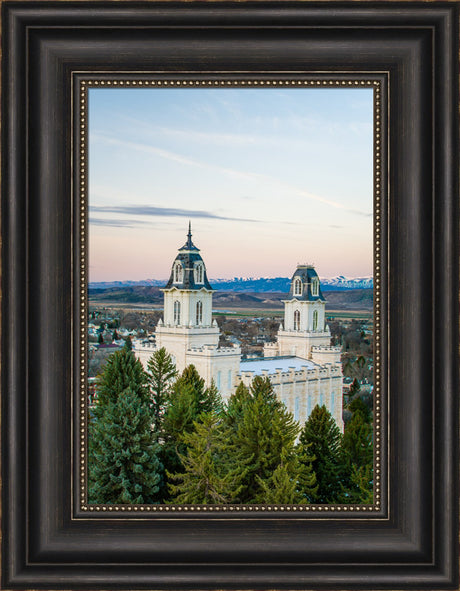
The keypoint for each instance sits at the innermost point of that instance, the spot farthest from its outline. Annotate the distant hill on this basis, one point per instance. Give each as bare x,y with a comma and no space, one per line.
248,284
344,299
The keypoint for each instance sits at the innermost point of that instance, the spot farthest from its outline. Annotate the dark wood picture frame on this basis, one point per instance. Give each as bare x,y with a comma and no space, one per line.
412,542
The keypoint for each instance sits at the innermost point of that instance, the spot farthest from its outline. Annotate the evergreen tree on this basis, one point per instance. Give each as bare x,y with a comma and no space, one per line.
323,436
123,459
263,432
307,484
207,477
100,339
115,335
357,441
187,400
121,371
292,482
358,458
206,399
357,405
128,344
235,405
361,485
161,372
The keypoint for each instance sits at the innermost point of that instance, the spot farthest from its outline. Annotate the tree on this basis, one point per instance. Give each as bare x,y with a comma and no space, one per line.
357,441
323,436
358,457
115,335
123,462
208,478
100,339
161,371
128,344
361,485
122,370
357,405
307,484
187,400
292,482
264,433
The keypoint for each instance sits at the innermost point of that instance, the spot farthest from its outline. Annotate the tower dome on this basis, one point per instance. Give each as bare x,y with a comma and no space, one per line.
188,270
305,285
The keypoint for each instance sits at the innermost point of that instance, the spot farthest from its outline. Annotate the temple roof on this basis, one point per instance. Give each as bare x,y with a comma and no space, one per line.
306,273
188,257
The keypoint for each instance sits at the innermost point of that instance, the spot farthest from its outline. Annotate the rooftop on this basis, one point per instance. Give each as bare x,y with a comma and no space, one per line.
273,363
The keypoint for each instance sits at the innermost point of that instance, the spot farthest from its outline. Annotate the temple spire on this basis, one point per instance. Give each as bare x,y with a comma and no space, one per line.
189,235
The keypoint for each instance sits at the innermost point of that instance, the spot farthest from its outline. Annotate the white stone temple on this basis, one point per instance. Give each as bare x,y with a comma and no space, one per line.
303,367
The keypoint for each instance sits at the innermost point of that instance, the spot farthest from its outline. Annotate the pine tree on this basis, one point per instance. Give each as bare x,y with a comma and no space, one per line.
187,400
235,405
361,485
207,477
161,372
123,459
323,436
307,484
288,482
358,459
206,399
357,405
100,339
122,370
357,441
263,432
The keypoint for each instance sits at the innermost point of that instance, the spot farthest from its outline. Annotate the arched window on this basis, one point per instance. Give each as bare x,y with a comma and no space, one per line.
176,312
199,273
297,287
219,375
315,287
308,405
297,409
229,379
199,312
178,273
297,320
315,319
321,399
332,403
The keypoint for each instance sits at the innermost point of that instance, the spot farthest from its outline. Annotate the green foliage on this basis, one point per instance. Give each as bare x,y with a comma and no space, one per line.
128,346
161,372
264,433
290,483
358,406
357,441
361,481
358,457
187,400
208,478
324,439
122,370
307,484
100,339
123,464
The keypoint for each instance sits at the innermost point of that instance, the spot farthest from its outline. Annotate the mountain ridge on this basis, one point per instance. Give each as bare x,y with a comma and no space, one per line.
249,284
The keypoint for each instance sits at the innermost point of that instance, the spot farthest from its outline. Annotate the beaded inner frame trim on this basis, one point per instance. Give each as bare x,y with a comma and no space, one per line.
80,161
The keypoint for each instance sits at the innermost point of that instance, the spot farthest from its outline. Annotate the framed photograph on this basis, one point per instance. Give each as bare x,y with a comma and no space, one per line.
157,155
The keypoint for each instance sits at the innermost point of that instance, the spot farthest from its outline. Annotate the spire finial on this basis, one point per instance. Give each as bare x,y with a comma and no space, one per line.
189,235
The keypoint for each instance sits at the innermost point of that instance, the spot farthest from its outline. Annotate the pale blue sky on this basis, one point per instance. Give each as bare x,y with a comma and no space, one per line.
268,177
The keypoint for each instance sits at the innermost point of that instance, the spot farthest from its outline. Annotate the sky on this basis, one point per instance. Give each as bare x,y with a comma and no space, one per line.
268,177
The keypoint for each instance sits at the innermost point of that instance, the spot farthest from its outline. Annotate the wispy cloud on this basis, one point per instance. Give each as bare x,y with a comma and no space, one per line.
116,223
173,156
151,210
